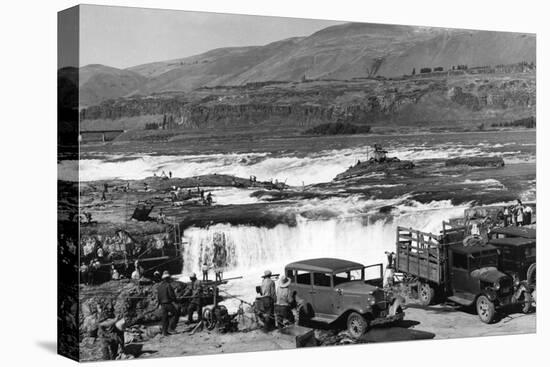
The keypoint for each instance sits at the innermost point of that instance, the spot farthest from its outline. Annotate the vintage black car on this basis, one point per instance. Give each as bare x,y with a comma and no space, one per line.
329,290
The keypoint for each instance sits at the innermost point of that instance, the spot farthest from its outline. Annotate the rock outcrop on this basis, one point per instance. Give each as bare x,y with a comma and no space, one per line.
475,162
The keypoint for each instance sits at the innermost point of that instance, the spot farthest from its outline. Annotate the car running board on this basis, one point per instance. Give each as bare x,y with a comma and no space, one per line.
461,300
324,318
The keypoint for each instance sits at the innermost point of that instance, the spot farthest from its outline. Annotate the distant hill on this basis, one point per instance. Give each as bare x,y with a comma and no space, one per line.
98,83
338,52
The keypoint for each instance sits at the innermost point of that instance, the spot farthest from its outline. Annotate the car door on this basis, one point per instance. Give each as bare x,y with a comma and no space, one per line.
462,282
302,285
323,293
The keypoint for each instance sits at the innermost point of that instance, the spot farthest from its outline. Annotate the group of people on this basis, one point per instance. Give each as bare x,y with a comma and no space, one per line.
218,271
278,300
518,214
164,175
169,302
178,194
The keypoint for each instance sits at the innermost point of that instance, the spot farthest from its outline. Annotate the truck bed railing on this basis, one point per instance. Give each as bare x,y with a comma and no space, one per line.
420,254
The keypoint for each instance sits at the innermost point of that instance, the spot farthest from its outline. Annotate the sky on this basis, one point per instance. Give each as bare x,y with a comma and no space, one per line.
122,37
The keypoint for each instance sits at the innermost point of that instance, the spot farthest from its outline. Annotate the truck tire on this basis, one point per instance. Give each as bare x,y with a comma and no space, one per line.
532,274
426,294
357,325
485,309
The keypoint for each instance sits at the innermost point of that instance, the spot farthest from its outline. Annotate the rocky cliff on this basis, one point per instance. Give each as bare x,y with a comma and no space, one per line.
373,101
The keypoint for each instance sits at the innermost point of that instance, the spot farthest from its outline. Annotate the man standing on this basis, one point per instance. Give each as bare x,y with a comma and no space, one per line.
204,269
268,291
194,291
284,302
166,298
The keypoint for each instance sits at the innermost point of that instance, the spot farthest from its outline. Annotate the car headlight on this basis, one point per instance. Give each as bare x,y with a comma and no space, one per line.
371,301
496,286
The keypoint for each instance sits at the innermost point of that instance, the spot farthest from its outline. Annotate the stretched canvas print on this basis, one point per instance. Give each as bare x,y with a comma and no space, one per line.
232,183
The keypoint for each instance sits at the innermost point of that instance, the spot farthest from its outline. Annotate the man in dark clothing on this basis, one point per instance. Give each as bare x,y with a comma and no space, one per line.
110,336
166,298
194,291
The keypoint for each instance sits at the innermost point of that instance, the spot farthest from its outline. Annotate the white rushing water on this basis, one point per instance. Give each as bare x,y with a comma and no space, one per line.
358,238
316,167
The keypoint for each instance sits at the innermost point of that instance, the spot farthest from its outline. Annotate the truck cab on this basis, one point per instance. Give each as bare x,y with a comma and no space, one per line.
329,290
474,278
518,251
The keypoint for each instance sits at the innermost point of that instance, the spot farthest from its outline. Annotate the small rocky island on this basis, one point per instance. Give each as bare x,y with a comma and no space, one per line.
379,162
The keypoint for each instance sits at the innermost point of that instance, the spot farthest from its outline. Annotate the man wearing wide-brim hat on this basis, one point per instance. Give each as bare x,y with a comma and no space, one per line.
284,302
269,295
167,298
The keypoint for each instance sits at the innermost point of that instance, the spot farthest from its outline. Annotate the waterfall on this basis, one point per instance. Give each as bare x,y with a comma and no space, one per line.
361,239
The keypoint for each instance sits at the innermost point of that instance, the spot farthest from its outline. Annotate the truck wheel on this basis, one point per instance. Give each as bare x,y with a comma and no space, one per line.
485,309
527,302
532,274
357,325
426,294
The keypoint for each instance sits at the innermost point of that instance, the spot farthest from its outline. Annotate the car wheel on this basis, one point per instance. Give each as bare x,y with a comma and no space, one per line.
485,309
208,319
527,302
426,294
357,325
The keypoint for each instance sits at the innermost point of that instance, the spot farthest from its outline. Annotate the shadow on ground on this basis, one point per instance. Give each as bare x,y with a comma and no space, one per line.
136,350
49,346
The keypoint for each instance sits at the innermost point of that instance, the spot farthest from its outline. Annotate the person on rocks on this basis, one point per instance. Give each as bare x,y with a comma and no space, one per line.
110,333
209,199
194,291
156,276
284,303
161,219
507,217
218,271
138,271
170,174
115,275
167,299
518,212
527,215
205,269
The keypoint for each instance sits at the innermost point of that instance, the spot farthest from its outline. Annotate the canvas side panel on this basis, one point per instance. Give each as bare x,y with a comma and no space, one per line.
67,183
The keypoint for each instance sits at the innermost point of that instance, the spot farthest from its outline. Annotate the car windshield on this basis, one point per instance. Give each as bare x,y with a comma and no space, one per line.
347,276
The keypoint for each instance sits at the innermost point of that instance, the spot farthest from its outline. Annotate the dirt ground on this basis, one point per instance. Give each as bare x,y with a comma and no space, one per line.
437,322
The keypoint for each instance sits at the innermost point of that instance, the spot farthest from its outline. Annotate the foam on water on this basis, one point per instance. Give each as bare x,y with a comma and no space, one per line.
296,170
360,238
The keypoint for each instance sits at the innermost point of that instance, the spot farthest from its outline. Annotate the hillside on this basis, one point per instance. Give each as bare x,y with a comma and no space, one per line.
339,52
454,100
98,83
